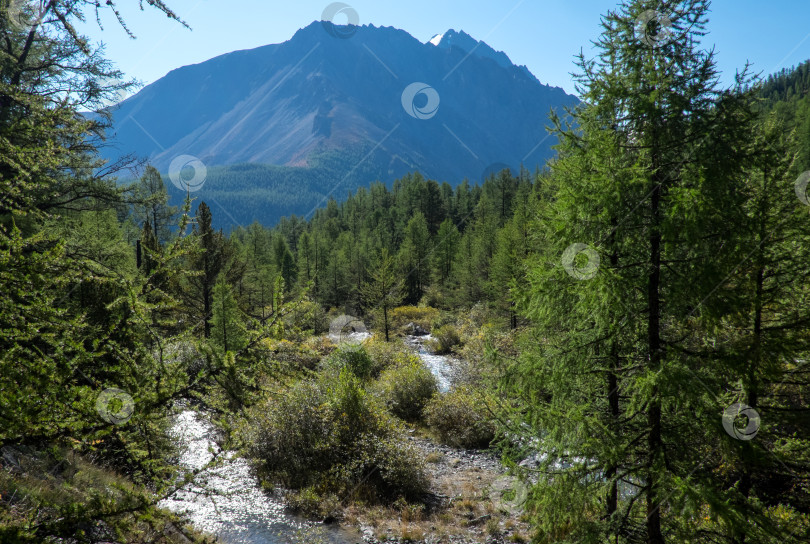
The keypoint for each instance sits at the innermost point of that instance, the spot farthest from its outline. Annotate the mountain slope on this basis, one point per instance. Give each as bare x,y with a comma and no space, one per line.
471,46
317,95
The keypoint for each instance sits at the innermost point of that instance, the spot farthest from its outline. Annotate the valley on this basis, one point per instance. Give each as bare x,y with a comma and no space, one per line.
337,281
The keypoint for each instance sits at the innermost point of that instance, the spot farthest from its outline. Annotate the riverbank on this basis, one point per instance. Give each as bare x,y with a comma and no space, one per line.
467,497
226,501
476,502
473,500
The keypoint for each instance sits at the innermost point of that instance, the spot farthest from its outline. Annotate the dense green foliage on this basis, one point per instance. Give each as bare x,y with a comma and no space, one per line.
261,192
461,418
353,359
330,436
643,304
406,388
685,299
787,95
415,242
95,345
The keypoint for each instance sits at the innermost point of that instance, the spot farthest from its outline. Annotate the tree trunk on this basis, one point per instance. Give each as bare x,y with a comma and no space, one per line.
385,321
612,502
654,444
207,310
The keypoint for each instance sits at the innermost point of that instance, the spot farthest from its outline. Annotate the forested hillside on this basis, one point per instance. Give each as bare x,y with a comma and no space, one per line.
452,247
456,247
787,95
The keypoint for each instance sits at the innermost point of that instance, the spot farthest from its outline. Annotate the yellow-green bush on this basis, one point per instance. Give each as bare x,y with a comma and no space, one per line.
418,315
292,355
461,419
354,358
388,354
331,436
481,354
405,389
444,339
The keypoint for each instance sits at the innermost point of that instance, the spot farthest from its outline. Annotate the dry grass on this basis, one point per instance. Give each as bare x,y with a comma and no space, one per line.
472,512
434,457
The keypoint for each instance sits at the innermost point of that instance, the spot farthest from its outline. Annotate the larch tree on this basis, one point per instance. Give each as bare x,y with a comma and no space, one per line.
384,292
447,239
619,379
227,322
152,204
414,257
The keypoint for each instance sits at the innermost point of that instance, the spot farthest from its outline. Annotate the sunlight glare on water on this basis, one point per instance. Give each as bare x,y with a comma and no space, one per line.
226,501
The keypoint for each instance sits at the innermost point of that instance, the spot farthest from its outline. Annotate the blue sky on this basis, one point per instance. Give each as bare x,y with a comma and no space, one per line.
542,34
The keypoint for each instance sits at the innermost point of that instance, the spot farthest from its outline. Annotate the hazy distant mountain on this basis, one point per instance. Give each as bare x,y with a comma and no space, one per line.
336,105
471,46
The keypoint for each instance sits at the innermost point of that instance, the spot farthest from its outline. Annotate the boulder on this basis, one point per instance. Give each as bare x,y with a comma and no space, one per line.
415,330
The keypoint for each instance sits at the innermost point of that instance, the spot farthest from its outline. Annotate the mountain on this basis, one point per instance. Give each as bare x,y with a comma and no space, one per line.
334,108
471,46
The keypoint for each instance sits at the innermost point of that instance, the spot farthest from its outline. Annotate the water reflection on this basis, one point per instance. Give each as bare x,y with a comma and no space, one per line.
439,365
226,501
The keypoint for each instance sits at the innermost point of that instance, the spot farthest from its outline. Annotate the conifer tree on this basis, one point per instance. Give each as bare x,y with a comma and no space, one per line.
227,323
636,238
385,290
511,251
283,260
764,340
213,258
413,256
447,240
152,204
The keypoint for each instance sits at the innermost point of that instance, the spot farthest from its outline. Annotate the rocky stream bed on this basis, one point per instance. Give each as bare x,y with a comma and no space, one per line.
474,501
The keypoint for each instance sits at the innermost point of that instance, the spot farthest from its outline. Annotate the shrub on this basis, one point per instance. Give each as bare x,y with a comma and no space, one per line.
472,321
406,389
308,502
444,340
388,354
478,362
460,418
292,355
422,316
305,319
353,358
443,318
328,437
